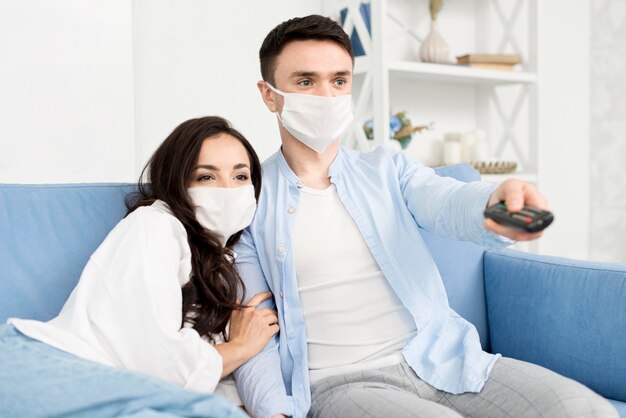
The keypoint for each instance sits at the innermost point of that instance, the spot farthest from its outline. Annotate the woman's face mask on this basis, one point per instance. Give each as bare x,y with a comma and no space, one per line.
223,210
316,121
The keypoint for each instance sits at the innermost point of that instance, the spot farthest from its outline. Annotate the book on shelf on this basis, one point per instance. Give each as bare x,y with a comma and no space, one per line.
498,62
509,59
490,66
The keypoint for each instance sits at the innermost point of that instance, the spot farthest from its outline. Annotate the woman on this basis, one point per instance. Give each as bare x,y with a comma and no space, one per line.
157,296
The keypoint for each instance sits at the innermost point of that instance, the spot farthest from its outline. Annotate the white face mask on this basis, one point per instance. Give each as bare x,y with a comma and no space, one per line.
223,210
316,121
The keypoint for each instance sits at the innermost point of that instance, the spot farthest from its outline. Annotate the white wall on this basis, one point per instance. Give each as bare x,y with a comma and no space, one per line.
608,130
199,57
66,91
564,124
89,88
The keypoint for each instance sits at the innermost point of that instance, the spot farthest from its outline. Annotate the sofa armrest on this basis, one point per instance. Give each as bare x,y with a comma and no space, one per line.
566,315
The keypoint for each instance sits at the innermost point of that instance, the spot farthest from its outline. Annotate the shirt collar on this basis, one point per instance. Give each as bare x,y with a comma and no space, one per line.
285,169
337,164
333,170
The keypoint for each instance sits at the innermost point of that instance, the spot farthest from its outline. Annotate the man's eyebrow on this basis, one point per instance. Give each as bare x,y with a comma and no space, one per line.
315,74
303,74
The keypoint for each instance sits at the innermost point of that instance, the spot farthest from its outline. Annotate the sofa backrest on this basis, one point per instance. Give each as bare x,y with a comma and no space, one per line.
48,232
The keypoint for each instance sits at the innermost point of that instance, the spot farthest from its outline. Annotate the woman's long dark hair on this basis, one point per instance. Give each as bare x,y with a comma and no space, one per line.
214,286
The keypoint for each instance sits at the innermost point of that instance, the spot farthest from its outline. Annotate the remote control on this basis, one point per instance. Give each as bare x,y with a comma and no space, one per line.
529,219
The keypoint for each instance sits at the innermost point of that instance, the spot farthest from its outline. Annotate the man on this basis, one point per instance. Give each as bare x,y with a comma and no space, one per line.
365,326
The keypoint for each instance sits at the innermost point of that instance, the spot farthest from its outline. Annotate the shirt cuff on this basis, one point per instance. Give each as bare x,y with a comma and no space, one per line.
206,377
267,410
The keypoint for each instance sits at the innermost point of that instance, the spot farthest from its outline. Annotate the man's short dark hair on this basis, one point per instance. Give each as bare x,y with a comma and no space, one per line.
312,27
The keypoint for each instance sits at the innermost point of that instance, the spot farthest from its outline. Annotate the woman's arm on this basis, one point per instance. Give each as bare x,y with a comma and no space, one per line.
137,314
250,330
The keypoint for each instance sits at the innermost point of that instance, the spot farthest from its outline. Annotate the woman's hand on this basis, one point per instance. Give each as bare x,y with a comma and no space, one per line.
250,329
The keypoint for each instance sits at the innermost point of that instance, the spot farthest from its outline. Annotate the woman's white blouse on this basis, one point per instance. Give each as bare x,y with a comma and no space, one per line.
126,310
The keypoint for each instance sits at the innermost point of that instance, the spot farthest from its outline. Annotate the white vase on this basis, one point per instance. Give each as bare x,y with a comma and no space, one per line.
434,48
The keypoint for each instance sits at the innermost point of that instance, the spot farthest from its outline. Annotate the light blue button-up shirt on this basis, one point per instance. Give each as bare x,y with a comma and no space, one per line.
388,196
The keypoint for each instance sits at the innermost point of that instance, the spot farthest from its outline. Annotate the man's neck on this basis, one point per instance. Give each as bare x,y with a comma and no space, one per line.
308,165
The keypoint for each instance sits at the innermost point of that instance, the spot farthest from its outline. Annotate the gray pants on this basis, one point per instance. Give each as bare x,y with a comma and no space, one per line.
514,389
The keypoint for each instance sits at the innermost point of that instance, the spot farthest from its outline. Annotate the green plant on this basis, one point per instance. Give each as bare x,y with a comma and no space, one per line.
400,129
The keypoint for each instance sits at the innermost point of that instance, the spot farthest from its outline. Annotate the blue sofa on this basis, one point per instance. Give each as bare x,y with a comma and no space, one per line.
566,315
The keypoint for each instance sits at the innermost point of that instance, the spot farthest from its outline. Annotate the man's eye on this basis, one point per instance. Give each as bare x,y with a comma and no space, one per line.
341,82
305,83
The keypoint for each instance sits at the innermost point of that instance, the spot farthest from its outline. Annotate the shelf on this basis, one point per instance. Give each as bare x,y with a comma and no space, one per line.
452,73
447,73
493,108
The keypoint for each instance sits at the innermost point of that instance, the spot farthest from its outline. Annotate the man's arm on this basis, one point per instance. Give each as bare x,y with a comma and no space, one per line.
259,380
454,209
445,206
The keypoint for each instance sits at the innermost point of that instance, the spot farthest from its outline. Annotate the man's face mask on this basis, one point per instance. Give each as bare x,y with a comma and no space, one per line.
316,121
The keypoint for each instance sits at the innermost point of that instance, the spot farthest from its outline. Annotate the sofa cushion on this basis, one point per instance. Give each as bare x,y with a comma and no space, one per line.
48,233
566,315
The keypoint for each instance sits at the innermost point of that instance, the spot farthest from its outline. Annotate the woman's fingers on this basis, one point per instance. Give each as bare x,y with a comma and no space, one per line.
272,318
257,299
266,311
266,315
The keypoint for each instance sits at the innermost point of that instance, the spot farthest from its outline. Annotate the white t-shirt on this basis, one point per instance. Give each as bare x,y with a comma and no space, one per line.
354,319
126,310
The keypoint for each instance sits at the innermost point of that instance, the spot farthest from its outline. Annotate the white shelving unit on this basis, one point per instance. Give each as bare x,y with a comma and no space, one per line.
503,104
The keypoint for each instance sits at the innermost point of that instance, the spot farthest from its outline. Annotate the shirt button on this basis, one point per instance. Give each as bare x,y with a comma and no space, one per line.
300,182
291,210
281,249
282,294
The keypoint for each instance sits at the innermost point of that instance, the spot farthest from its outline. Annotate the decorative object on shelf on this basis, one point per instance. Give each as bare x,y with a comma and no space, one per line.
434,48
357,45
474,146
501,62
400,129
452,148
428,149
495,167
480,148
467,146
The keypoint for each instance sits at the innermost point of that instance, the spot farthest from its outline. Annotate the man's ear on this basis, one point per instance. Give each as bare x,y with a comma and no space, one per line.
267,96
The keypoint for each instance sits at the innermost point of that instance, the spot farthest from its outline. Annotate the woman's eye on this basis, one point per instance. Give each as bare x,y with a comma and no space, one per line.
205,177
242,177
